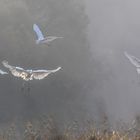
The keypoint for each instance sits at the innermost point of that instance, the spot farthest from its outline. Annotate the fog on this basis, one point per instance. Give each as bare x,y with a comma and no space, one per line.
64,94
113,29
96,79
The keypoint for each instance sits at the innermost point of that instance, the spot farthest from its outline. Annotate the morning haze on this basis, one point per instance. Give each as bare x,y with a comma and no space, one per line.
63,94
115,28
96,79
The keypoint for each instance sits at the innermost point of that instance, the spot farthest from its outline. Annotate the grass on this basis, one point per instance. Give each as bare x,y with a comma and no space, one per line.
46,129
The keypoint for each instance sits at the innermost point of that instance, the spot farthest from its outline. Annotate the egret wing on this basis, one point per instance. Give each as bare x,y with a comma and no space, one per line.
41,74
134,60
3,72
16,71
51,38
5,64
46,71
38,32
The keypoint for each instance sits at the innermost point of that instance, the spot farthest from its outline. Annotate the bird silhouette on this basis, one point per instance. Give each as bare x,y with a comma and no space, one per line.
134,60
28,74
40,37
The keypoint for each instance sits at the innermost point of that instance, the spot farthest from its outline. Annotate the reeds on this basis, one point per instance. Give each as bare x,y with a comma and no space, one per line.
46,129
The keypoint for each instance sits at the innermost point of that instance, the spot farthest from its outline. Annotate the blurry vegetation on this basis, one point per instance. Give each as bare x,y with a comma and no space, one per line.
46,129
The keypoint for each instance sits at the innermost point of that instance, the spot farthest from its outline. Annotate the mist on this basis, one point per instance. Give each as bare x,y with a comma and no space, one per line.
113,29
96,79
64,94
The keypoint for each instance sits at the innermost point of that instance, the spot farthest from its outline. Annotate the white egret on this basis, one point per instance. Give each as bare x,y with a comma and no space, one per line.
28,74
40,36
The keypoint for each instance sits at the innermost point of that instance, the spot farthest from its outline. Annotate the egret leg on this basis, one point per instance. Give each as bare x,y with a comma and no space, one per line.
28,87
23,86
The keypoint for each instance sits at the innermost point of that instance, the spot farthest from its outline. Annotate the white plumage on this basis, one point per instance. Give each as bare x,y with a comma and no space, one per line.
28,74
3,72
40,36
41,74
134,60
16,71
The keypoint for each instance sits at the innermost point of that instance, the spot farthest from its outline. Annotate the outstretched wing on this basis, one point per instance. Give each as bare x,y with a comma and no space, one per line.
38,32
134,60
52,38
47,71
5,64
16,71
41,74
3,72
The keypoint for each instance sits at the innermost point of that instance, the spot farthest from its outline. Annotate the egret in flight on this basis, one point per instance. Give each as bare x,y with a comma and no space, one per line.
134,60
40,36
28,74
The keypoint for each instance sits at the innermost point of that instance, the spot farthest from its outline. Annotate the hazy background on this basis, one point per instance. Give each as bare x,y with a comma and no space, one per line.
96,79
64,94
115,28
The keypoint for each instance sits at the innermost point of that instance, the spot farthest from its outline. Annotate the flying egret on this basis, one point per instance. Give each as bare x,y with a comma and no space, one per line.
40,36
28,75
